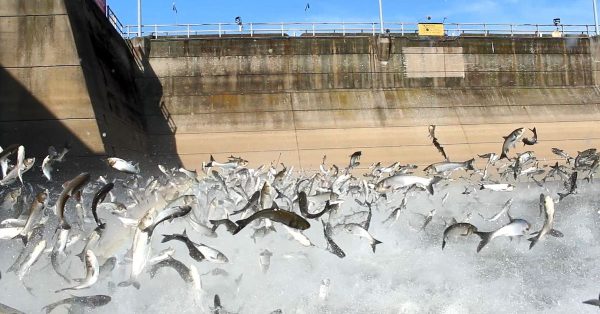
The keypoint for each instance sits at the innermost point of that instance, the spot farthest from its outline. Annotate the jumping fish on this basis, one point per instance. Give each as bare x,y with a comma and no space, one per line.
510,141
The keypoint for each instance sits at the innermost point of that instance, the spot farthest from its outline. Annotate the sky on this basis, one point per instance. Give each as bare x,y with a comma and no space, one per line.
458,11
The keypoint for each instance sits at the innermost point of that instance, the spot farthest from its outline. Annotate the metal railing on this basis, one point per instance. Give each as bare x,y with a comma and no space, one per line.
114,20
296,29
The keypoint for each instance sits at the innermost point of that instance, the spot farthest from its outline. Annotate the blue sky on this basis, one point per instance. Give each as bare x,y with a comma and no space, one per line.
489,11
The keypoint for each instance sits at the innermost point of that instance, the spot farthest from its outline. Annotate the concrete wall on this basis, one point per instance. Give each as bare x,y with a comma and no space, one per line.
66,75
306,97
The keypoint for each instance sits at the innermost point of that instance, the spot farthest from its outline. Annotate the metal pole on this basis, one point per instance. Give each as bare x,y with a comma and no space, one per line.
381,16
595,17
139,18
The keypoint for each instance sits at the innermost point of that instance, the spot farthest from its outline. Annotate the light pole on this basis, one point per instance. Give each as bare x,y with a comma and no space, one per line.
139,18
381,17
595,16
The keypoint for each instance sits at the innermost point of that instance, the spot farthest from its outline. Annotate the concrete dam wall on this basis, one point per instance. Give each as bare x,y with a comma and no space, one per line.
67,75
308,97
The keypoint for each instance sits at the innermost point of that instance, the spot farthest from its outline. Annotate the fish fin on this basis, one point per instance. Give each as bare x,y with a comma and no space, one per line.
374,244
81,255
533,240
555,233
240,225
485,239
469,164
562,195
435,180
593,302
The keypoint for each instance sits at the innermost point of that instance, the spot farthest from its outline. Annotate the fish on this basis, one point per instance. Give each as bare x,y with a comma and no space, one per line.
36,211
532,140
193,250
252,203
458,229
359,231
515,228
37,235
162,255
5,309
332,247
436,143
57,250
70,188
428,219
232,164
354,159
89,302
7,233
562,153
99,198
572,186
497,187
20,159
299,236
4,154
47,167
12,176
303,204
140,252
150,221
510,141
403,180
123,166
170,262
33,257
287,218
447,166
548,222
92,240
594,302
504,209
266,201
92,272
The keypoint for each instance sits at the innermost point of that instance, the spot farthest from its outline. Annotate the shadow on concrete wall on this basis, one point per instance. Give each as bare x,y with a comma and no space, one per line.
111,66
25,120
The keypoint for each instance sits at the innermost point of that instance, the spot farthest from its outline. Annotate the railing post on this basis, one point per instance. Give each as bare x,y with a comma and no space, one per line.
282,32
220,30
188,31
373,29
155,31
251,30
537,30
485,31
343,29
313,29
128,31
511,31
402,28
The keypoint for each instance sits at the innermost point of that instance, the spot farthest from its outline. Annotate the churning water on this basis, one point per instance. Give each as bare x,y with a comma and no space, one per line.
408,273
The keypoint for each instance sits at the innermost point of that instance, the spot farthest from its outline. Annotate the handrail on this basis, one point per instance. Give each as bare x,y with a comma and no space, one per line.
316,29
114,20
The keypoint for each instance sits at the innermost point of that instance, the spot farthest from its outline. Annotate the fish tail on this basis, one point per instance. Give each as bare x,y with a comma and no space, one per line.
503,155
443,243
533,240
240,225
210,163
22,237
435,180
469,164
374,244
486,237
81,255
562,195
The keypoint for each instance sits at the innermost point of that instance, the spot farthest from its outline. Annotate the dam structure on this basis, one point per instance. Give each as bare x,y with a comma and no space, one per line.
69,73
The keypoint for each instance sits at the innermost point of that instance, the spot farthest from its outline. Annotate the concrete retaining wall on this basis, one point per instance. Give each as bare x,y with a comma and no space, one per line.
306,97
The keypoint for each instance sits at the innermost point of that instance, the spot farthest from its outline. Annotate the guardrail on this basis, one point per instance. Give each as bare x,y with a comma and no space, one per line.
295,29
114,20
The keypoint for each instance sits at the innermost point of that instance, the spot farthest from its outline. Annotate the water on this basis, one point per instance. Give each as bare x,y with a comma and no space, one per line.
409,273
